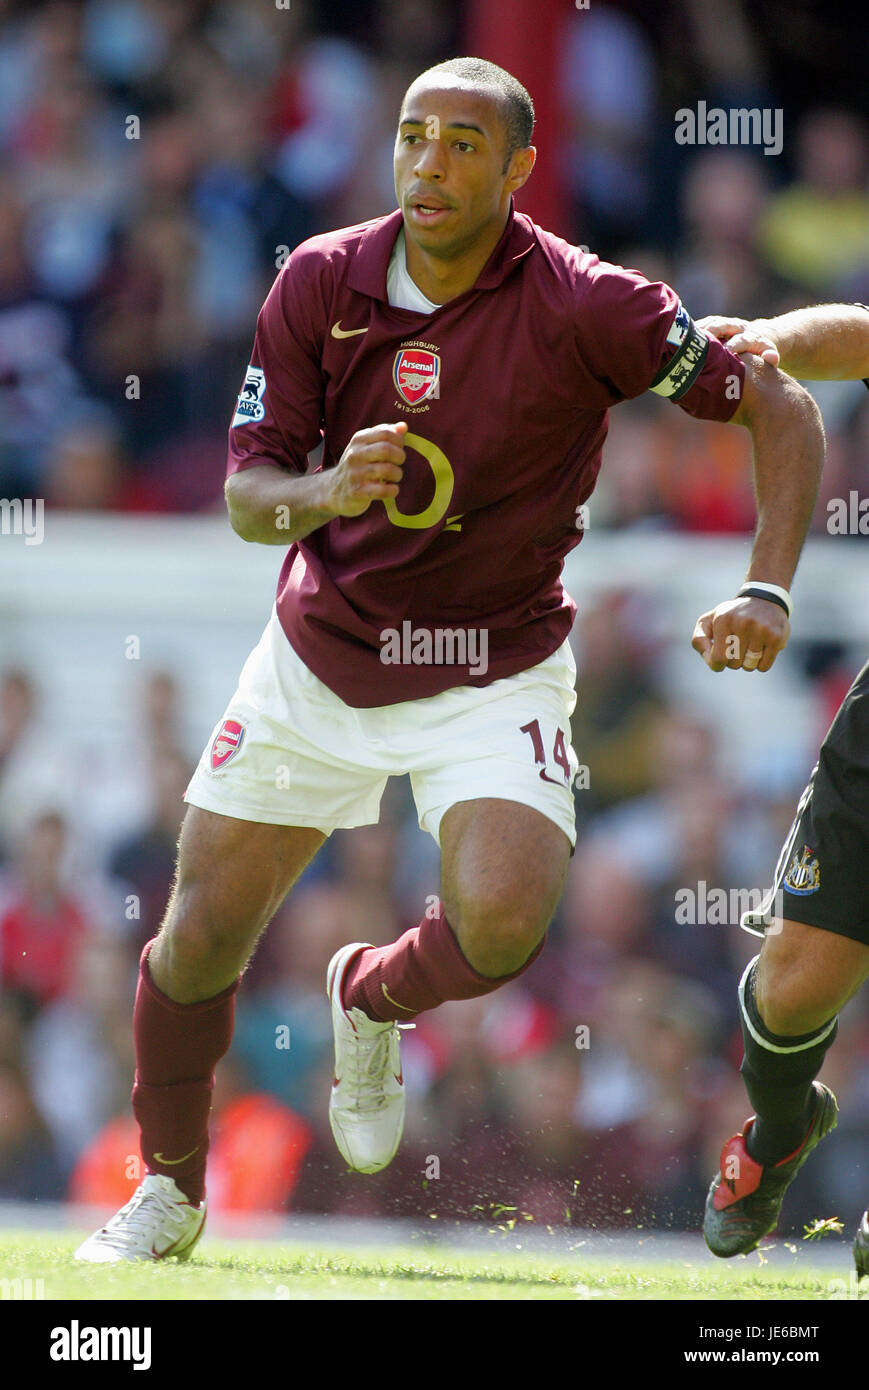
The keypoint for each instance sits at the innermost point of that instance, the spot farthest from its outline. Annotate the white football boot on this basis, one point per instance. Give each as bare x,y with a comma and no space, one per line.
157,1221
366,1107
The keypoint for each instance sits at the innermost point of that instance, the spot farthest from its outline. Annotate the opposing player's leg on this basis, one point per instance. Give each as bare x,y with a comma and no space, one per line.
790,1001
790,997
232,876
815,956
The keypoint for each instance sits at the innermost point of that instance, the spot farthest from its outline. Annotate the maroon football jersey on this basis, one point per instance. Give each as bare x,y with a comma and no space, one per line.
505,391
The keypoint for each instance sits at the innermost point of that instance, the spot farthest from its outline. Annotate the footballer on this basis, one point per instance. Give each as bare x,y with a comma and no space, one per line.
816,957
457,363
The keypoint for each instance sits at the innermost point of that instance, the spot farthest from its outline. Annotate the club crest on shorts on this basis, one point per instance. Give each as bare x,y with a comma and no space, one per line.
416,374
226,743
804,875
250,406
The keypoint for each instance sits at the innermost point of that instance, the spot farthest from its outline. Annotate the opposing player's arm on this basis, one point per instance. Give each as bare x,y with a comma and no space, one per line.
268,505
825,342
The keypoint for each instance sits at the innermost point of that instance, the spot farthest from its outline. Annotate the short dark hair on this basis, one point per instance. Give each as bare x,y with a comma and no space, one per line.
516,104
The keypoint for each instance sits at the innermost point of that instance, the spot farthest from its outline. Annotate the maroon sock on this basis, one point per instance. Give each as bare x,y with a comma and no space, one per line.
177,1048
420,970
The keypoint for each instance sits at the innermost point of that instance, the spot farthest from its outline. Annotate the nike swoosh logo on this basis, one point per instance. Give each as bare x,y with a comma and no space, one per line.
172,1162
388,996
339,332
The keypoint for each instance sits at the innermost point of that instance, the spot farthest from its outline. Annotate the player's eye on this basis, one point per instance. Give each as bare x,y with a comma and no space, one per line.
464,145
408,138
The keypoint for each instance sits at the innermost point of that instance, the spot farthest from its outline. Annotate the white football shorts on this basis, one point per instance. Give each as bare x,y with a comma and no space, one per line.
290,752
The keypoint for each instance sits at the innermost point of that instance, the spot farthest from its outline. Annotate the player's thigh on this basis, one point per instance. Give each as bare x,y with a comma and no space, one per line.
503,869
508,742
820,957
805,975
232,876
239,871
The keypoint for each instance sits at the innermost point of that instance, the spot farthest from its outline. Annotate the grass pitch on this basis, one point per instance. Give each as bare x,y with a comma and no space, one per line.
223,1270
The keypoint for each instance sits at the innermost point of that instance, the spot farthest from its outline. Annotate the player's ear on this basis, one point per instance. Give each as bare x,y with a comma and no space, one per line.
519,168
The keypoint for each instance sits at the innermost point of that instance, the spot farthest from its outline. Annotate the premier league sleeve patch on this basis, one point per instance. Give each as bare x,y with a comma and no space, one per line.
682,369
250,406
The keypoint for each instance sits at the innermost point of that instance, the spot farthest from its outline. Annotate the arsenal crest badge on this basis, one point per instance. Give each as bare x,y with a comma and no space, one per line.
416,374
227,742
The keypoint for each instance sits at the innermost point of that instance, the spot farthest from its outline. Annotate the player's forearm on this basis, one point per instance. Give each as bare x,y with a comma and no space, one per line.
268,506
826,342
788,438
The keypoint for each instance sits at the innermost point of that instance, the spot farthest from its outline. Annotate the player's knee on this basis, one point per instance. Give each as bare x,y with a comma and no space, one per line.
496,931
198,936
494,956
791,1002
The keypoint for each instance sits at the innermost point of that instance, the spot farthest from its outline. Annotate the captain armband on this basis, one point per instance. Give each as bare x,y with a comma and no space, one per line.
682,369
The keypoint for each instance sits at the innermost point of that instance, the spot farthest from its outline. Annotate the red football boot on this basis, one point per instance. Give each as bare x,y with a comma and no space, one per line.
745,1198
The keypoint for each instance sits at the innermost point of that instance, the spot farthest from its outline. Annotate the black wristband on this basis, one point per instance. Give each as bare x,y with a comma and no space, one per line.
748,592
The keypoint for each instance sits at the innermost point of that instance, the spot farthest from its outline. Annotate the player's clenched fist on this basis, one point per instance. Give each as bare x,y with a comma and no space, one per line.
744,634
370,467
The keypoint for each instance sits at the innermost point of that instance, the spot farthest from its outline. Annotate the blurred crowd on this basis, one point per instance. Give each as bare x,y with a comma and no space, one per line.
159,159
597,1090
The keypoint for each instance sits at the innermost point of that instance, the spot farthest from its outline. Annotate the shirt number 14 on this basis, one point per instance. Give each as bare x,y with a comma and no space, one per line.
559,751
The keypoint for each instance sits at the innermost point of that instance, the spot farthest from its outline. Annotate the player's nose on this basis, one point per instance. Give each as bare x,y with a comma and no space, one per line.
429,162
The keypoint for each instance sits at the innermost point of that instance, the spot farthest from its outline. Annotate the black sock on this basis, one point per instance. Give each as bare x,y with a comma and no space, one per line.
778,1075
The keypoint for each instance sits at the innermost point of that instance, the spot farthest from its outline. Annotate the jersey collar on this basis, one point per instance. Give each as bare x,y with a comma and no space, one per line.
368,271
